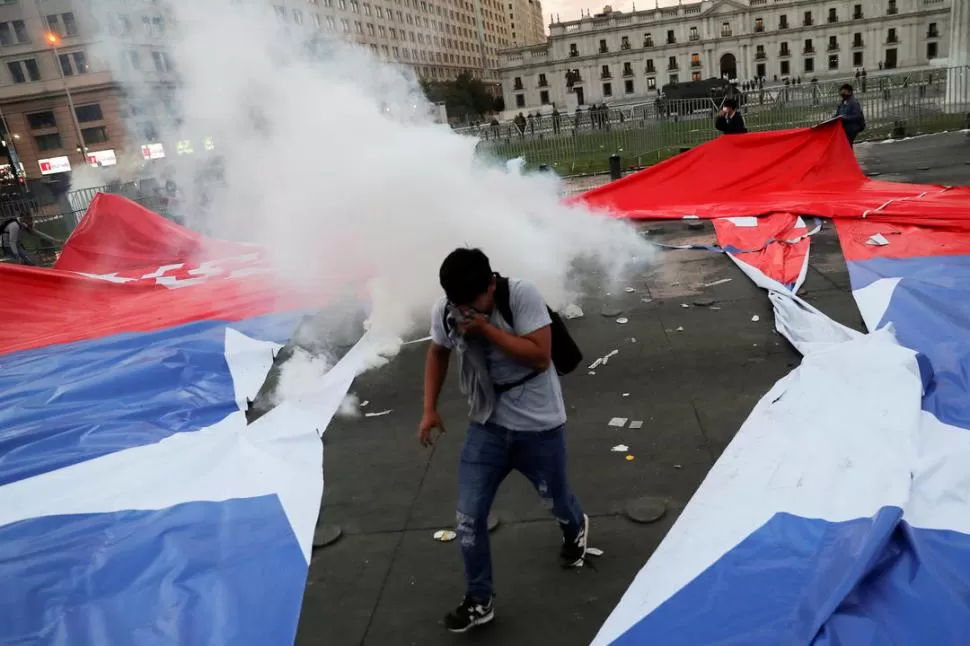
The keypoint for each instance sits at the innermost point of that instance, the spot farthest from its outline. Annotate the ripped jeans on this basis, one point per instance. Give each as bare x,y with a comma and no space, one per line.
489,454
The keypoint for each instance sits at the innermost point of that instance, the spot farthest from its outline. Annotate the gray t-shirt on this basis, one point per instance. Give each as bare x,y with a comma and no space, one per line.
537,404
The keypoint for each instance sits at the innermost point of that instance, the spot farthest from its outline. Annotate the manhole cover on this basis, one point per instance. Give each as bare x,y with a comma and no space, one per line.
326,535
646,510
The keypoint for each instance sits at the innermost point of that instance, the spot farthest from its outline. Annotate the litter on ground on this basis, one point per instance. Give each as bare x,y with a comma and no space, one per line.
618,422
380,414
620,448
623,320
636,424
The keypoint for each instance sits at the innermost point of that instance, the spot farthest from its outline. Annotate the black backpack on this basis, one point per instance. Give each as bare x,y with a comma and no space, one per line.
566,355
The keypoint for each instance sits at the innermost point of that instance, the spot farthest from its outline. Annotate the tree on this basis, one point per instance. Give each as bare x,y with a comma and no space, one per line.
465,97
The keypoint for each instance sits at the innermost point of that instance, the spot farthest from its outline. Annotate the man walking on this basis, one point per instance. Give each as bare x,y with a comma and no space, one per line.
12,238
849,110
517,415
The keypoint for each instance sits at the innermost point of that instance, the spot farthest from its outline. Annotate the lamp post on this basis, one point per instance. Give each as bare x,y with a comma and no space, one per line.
54,40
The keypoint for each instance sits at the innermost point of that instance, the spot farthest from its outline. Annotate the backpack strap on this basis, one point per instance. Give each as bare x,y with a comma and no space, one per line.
503,299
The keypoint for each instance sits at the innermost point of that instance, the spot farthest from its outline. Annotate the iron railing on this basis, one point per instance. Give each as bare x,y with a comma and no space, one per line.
645,133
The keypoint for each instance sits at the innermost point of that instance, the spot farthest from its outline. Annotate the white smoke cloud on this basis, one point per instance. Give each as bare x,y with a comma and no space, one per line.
331,160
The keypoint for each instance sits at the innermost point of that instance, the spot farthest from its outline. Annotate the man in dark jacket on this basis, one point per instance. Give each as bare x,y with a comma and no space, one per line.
12,238
730,121
849,110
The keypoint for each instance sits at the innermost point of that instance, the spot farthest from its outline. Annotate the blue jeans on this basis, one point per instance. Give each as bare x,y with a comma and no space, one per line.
489,454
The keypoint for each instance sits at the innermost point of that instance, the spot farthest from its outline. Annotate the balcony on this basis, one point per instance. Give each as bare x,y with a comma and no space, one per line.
833,47
760,56
856,44
624,46
932,34
694,37
672,67
892,11
727,33
606,75
892,40
543,83
604,49
808,50
627,71
783,25
517,86
695,64
650,69
784,53
858,16
758,29
647,44
573,53
671,40
833,19
808,22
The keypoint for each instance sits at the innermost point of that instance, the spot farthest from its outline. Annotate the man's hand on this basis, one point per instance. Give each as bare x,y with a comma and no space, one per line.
429,421
473,324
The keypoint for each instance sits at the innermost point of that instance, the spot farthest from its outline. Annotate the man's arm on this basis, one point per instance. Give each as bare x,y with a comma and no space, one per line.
435,371
532,350
721,123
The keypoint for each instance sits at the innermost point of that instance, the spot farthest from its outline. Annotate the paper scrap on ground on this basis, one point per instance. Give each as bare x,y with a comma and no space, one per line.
755,318
718,282
596,364
364,403
609,356
444,535
620,448
630,458
618,422
629,290
877,240
679,329
626,394
573,311
623,320
684,305
646,300
636,424
380,414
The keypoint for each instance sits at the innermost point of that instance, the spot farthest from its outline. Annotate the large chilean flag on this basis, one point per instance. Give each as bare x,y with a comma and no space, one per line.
840,513
136,504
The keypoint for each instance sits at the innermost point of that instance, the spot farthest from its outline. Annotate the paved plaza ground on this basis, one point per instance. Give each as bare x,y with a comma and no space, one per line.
387,582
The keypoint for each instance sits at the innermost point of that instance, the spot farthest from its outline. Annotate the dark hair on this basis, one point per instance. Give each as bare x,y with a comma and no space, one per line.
846,86
465,275
731,103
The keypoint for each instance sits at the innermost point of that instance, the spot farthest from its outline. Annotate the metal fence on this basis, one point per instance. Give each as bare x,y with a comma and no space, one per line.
643,134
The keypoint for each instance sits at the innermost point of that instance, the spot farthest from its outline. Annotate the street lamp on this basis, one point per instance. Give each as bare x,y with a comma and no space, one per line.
54,40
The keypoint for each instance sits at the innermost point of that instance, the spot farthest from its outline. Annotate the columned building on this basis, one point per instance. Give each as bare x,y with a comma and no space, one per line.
616,57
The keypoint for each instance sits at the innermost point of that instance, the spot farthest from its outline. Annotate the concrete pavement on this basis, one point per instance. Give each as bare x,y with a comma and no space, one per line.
386,581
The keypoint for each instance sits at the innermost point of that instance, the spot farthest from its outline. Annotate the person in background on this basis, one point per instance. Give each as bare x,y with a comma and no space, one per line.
518,418
12,239
730,120
849,110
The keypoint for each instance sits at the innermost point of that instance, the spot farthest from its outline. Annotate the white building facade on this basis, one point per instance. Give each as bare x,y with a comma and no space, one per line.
627,57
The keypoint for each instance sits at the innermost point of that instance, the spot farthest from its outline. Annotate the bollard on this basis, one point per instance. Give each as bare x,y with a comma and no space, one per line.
899,130
615,171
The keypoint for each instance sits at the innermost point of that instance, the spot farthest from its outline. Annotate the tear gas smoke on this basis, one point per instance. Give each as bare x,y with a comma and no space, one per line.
329,158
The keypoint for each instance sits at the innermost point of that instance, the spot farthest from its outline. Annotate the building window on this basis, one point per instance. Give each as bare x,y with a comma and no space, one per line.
807,19
673,78
833,15
41,120
857,12
833,61
892,10
833,43
544,97
857,39
726,29
759,25
517,83
693,34
671,39
856,59
162,63
672,63
520,100
784,51
650,68
809,47
605,72
607,89
785,68
74,63
891,37
49,142
932,32
695,76
759,53
96,135
20,29
783,21
628,86
573,50
695,60
891,59
809,65
627,69
931,50
625,42
86,113
543,81
24,71
298,16
647,40
651,83
603,47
